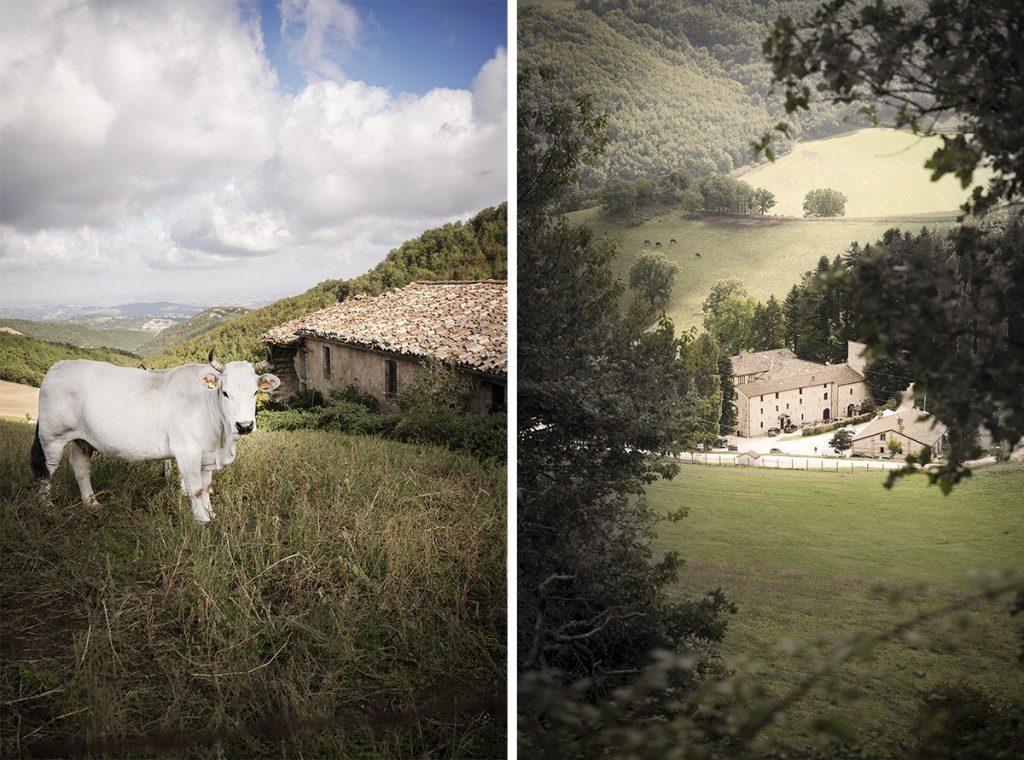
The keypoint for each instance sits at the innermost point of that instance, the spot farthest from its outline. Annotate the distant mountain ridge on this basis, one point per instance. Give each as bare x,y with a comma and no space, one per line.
193,327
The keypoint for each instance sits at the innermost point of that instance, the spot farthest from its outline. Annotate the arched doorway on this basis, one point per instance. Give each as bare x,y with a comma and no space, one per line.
783,421
850,410
826,415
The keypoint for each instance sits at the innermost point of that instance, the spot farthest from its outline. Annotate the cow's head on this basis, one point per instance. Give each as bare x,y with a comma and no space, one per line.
237,384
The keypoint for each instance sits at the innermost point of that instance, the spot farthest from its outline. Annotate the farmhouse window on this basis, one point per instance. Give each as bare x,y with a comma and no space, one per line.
327,362
851,391
881,437
824,385
826,394
787,406
776,407
390,377
762,398
762,424
801,391
776,395
762,410
881,449
497,397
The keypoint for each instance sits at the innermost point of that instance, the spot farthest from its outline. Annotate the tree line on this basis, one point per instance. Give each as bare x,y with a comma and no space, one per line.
630,200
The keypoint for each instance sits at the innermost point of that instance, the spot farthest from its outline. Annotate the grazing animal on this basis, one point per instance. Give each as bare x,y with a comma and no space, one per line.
647,244
672,241
696,254
194,414
658,244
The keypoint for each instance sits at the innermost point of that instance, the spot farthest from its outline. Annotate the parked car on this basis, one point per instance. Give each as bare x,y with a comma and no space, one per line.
775,451
734,448
790,428
772,432
886,457
721,443
859,455
700,447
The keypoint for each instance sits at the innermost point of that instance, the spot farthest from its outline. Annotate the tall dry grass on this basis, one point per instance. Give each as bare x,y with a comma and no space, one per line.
342,573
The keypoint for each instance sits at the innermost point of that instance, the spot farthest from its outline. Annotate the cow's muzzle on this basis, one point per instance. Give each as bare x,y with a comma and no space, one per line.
244,428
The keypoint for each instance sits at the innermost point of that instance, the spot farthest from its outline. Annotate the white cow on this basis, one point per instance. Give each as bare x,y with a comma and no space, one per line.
193,414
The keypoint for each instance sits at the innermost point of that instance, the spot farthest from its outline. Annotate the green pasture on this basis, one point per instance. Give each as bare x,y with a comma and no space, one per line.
812,557
343,574
880,171
768,255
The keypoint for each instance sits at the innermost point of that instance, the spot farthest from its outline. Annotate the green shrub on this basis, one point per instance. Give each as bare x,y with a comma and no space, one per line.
830,426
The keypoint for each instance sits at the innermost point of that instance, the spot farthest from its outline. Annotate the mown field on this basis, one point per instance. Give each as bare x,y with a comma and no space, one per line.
767,255
343,574
810,557
880,171
17,400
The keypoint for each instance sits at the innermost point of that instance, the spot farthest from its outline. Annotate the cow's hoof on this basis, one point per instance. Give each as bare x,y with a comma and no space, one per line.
202,517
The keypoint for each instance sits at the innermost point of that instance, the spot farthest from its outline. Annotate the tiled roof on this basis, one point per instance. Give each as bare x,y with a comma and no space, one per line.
464,324
760,361
917,425
806,375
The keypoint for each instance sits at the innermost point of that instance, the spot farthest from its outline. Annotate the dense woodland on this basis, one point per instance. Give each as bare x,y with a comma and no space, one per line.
684,84
471,250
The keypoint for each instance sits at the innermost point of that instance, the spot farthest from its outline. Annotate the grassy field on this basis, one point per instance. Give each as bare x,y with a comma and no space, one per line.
342,574
768,255
84,336
811,556
880,171
17,400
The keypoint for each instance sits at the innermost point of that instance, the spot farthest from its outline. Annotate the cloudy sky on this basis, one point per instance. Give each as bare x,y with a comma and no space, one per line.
197,150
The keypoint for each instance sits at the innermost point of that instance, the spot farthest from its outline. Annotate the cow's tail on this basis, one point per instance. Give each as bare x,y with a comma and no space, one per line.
39,468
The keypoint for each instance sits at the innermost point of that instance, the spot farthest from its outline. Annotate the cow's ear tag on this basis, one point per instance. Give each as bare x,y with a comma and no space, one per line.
268,382
211,381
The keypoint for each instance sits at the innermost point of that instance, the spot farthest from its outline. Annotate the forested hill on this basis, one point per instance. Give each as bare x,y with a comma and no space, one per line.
472,250
683,82
25,360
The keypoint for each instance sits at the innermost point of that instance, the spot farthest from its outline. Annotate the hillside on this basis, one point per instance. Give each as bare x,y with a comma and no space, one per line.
471,250
683,83
25,360
880,171
83,336
767,254
193,327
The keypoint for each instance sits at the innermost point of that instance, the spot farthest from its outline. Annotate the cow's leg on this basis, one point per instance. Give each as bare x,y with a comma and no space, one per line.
208,491
52,450
191,469
81,463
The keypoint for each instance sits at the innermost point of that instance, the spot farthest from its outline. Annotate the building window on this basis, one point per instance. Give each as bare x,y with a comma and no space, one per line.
762,410
801,391
762,398
776,407
762,424
327,362
826,395
390,377
787,406
824,385
776,395
881,449
851,391
497,397
801,418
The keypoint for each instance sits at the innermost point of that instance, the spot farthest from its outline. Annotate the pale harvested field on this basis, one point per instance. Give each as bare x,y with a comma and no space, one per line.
18,400
880,171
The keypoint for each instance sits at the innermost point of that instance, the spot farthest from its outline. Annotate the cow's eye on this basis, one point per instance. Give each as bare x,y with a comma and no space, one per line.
225,394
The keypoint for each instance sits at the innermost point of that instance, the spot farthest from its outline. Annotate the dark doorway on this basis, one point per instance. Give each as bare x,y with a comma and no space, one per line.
826,415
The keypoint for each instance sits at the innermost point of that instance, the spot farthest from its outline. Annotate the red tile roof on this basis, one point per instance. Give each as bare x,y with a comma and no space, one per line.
464,324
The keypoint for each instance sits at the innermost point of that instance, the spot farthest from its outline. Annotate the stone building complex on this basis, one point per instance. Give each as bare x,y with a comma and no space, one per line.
775,389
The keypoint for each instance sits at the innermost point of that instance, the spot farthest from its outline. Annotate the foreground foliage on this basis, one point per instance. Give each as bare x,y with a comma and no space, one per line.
342,573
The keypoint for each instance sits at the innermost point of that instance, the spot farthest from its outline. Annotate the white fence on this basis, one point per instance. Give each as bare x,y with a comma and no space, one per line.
775,462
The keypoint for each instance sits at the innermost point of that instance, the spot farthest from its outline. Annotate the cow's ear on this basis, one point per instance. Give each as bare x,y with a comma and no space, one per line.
211,380
268,382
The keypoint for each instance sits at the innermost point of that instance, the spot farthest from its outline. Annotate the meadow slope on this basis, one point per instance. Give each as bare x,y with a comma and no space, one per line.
767,254
809,557
342,574
880,171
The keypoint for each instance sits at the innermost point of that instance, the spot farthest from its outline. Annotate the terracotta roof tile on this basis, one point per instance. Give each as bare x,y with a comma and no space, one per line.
461,323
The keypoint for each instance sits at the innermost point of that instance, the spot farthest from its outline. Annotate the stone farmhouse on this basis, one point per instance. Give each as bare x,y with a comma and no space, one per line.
775,389
382,344
913,428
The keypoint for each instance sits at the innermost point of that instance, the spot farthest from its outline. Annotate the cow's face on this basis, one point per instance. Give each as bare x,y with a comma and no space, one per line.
236,386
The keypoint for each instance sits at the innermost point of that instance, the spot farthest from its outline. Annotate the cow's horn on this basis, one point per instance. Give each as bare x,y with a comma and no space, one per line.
260,367
214,363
